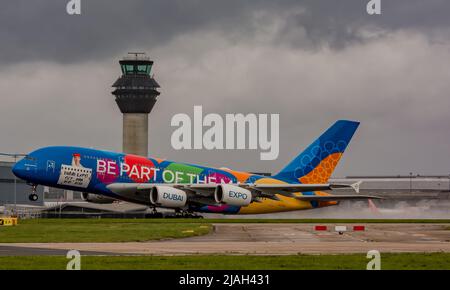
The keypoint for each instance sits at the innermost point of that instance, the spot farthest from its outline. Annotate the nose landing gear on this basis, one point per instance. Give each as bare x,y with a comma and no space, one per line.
33,195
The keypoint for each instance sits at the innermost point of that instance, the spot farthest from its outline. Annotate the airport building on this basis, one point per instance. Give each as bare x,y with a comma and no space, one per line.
404,187
12,189
16,191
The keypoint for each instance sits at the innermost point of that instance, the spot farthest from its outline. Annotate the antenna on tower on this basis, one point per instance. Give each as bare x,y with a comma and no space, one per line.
138,55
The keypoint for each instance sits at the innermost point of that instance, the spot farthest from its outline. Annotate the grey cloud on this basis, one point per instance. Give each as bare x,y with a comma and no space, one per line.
41,29
104,28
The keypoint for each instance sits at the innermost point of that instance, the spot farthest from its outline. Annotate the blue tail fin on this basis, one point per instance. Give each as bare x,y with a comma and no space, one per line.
316,164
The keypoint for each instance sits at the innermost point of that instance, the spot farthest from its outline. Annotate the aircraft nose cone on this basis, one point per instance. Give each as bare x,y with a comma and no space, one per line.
18,169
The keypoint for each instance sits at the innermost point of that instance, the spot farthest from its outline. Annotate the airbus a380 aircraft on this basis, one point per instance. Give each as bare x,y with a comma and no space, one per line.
104,177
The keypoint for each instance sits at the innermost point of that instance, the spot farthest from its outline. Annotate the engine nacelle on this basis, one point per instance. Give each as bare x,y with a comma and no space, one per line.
232,195
96,198
167,196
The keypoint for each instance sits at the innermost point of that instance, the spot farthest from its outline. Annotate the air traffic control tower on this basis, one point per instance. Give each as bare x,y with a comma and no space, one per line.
135,93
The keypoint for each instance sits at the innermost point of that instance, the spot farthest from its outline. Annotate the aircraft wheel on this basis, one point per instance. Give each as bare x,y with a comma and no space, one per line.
33,197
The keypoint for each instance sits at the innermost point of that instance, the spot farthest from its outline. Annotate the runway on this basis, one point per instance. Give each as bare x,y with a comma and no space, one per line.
11,250
266,239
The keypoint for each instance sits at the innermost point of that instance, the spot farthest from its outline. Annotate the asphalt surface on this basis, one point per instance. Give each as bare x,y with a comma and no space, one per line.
30,251
265,239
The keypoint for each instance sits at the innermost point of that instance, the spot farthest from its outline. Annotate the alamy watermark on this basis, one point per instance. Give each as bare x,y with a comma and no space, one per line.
74,260
373,7
74,257
235,131
73,7
375,262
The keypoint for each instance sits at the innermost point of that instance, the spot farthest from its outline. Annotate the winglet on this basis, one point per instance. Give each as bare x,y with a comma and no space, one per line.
356,186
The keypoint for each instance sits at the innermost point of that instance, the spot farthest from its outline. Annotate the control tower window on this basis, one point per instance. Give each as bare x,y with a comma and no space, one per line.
143,69
136,69
127,69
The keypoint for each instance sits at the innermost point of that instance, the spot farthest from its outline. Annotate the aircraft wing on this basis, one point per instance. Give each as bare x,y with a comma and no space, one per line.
290,190
263,190
303,187
334,197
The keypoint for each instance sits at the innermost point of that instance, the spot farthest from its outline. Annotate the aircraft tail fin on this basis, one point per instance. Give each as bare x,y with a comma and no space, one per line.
316,164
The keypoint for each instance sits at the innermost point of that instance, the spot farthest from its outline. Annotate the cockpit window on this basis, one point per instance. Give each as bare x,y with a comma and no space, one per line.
28,157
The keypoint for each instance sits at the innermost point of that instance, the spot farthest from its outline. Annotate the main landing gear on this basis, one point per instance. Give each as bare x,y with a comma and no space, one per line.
177,214
33,195
155,214
186,214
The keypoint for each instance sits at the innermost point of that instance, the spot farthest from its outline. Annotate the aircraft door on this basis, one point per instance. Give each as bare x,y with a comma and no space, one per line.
51,167
30,164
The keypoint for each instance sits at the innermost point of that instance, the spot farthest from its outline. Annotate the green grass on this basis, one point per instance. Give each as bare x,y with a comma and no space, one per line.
97,230
404,261
129,230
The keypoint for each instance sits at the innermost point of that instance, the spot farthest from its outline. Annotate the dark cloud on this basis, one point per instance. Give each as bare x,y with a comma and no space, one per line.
41,29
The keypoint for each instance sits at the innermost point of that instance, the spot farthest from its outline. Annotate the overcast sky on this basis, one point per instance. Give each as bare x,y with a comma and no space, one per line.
313,62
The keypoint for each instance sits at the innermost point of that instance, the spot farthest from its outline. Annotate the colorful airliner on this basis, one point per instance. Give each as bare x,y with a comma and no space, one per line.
105,177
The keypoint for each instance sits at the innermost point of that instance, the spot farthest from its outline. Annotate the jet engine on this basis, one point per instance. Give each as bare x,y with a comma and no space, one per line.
232,195
96,198
167,196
